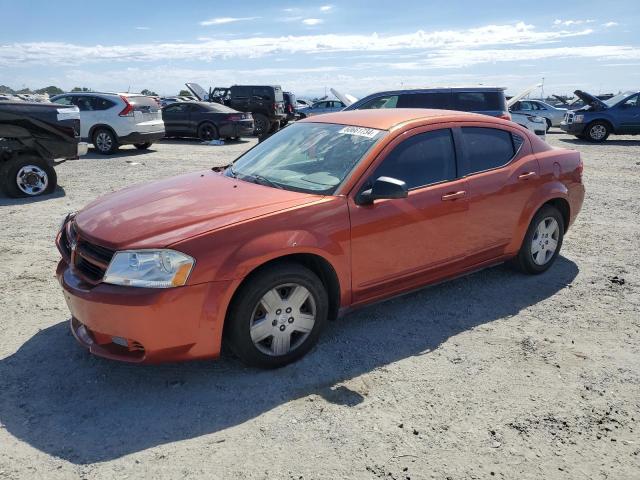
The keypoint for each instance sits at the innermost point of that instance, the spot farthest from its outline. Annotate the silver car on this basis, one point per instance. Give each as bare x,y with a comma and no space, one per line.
324,106
552,115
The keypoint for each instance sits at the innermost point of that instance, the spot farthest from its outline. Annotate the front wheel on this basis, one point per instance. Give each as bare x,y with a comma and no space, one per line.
143,146
598,132
27,177
277,316
542,242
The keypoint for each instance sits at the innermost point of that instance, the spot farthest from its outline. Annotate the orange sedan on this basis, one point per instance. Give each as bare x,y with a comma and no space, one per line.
330,213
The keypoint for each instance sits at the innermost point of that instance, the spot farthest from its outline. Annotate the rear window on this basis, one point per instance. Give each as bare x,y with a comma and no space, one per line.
479,101
488,148
143,104
426,100
279,97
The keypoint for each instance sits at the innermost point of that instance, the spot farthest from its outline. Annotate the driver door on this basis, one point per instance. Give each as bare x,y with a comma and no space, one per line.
629,115
402,243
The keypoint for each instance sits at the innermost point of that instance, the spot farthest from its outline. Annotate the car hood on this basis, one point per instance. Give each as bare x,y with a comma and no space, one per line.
164,212
522,94
590,100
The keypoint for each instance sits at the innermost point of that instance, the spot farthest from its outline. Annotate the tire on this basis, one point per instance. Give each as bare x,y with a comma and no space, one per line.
598,131
105,141
275,126
261,124
548,124
581,136
143,146
536,255
207,132
286,335
27,177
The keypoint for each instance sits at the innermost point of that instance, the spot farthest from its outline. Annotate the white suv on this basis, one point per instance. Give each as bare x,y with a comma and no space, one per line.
109,120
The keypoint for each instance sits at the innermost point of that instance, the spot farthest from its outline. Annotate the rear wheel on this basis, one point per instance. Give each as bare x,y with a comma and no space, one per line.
143,146
207,132
548,124
542,242
261,124
598,131
277,316
27,177
105,141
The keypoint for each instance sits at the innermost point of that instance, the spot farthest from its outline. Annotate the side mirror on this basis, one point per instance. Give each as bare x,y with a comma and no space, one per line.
383,187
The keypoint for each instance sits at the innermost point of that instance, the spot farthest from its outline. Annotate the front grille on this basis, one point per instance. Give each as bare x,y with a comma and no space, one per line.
89,260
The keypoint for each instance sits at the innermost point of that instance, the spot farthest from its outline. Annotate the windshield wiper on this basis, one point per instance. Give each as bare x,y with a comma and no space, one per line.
260,180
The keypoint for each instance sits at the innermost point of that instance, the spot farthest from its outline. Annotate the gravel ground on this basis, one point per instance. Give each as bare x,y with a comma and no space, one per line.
495,375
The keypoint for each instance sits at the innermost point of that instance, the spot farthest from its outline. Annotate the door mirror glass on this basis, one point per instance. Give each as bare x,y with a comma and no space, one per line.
383,187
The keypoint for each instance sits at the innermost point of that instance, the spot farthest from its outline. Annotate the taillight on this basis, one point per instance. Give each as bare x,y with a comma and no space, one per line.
127,111
505,116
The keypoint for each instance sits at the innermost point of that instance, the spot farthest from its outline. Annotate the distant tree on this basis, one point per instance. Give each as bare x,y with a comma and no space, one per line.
146,91
24,90
5,89
50,90
184,93
80,89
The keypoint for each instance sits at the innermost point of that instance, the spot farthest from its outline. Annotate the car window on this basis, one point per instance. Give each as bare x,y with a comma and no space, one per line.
479,101
99,103
84,103
540,106
390,101
421,160
320,105
63,101
525,106
632,102
176,108
425,100
263,92
487,148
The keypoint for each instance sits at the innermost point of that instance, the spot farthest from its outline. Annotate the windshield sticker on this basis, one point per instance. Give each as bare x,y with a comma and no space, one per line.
360,131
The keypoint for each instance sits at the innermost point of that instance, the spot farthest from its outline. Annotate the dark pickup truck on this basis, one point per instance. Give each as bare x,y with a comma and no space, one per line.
34,137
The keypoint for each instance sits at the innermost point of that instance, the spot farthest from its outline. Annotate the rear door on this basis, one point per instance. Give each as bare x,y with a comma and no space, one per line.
395,243
502,176
629,114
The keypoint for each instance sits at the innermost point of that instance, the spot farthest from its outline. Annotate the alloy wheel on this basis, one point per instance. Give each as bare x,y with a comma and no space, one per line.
32,180
104,142
598,132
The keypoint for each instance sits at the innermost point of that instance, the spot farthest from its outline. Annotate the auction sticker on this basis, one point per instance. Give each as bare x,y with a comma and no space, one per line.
360,131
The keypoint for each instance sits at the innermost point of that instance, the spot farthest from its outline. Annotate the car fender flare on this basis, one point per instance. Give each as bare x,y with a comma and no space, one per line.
93,129
546,193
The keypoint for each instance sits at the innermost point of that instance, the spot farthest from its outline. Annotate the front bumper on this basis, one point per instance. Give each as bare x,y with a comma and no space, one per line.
572,128
141,137
144,325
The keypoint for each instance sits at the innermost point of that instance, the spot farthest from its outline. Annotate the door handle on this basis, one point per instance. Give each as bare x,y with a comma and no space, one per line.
527,176
454,195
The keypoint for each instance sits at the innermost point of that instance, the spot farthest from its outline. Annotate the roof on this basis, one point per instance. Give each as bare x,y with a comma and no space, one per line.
387,118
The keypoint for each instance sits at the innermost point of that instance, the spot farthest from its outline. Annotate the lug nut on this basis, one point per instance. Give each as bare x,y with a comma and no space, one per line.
290,319
288,310
274,323
282,327
278,312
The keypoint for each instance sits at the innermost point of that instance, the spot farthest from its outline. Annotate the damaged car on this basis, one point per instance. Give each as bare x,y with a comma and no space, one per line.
619,115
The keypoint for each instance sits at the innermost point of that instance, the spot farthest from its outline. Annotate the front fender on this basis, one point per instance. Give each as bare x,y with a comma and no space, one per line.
546,192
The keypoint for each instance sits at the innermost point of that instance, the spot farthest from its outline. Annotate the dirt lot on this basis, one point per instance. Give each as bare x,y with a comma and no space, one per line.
496,375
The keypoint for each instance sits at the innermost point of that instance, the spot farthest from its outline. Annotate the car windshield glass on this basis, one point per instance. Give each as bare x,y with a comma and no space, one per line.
618,98
306,157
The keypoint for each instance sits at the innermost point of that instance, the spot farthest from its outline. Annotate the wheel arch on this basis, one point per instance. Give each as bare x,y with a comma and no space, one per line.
95,127
612,127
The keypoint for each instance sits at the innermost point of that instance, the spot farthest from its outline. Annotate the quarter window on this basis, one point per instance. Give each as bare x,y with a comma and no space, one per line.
63,101
421,160
381,102
425,100
488,148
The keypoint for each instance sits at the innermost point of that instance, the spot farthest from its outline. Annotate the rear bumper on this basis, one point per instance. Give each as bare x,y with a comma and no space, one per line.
236,129
143,325
141,137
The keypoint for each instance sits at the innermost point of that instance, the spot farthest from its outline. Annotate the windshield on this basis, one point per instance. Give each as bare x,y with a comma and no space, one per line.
618,98
306,157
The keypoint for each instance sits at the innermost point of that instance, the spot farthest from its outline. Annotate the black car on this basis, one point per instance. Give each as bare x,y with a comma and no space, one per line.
265,102
290,106
207,121
33,138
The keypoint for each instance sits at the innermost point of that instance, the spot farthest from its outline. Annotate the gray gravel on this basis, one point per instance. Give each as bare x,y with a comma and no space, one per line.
496,375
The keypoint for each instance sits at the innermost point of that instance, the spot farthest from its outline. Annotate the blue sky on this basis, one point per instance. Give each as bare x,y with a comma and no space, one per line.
357,46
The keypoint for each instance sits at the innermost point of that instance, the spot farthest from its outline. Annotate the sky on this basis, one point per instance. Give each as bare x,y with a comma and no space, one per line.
357,47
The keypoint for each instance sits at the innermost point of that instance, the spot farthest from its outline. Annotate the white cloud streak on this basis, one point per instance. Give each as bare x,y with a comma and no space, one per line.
69,54
312,21
570,23
610,24
326,8
225,20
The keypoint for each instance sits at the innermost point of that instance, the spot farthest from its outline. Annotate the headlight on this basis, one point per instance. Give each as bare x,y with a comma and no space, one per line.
149,268
578,119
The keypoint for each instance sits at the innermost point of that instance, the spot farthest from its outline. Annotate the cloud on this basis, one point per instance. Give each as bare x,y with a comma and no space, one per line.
569,23
610,24
59,53
312,21
326,8
143,28
224,20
